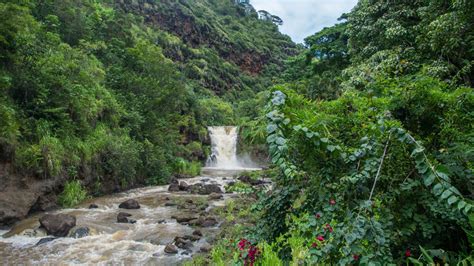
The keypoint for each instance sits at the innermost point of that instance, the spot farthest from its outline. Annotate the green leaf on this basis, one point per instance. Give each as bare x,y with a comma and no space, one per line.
446,194
438,189
331,148
426,255
452,200
461,204
324,140
297,128
271,128
429,179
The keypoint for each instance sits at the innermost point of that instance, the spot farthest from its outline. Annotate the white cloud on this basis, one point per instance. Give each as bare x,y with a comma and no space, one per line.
305,17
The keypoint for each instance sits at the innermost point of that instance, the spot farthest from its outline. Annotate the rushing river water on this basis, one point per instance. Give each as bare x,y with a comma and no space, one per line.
112,242
144,242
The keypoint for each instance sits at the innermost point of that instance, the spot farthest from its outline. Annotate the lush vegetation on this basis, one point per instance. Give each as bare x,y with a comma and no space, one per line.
371,130
114,94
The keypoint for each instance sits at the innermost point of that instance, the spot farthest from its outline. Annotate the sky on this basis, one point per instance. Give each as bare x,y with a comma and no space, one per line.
303,18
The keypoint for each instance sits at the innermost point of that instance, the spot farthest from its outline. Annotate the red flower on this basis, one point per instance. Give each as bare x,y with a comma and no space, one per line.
242,244
314,244
252,255
332,202
329,228
408,253
317,215
320,238
355,257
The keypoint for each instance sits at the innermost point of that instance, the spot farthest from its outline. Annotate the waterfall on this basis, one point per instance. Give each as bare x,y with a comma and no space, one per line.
224,147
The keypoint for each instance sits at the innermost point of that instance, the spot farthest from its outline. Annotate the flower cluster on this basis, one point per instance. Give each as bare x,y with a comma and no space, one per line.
252,252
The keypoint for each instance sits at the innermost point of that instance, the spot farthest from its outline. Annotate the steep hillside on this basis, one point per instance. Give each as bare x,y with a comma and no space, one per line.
118,94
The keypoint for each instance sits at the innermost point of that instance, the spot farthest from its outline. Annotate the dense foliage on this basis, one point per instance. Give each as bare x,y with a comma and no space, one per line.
119,93
372,131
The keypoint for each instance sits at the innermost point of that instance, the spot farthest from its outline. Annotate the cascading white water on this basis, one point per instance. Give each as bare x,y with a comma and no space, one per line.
224,148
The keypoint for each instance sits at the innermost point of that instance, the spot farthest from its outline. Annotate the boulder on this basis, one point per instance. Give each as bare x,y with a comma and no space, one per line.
183,219
197,233
129,204
170,204
57,224
205,248
122,217
183,186
192,237
209,221
93,206
183,243
215,196
247,179
45,240
80,232
171,249
204,189
173,187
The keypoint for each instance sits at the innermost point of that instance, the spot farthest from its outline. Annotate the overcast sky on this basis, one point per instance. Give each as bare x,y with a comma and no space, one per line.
305,17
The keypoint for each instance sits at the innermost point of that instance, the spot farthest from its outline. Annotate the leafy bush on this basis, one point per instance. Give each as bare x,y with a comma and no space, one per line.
72,194
184,167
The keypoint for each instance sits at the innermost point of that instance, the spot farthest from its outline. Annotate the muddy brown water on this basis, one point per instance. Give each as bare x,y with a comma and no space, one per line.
112,243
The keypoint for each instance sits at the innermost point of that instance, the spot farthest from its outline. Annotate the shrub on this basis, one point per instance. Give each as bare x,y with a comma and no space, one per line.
72,194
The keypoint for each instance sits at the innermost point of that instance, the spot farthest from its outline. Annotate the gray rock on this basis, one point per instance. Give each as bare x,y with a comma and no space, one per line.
205,248
122,217
183,186
57,224
209,221
215,196
93,206
45,240
173,187
80,232
183,219
171,249
197,233
130,204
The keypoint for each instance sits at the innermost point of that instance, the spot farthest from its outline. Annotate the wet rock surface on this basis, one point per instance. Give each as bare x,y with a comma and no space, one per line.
171,249
130,204
57,224
122,217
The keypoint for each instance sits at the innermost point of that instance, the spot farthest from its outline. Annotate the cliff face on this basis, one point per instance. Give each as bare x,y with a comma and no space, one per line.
236,37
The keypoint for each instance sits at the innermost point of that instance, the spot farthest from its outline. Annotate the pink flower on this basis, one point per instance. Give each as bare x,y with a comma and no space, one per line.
355,257
317,215
314,245
332,202
320,238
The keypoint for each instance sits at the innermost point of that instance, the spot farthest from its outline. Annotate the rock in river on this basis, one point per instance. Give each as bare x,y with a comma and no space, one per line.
57,224
171,249
129,204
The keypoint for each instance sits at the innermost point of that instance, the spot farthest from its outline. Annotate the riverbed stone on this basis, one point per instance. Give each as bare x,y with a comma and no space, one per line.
209,221
215,196
93,206
183,186
205,248
173,188
57,224
45,240
197,233
130,204
122,217
183,219
171,249
80,232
